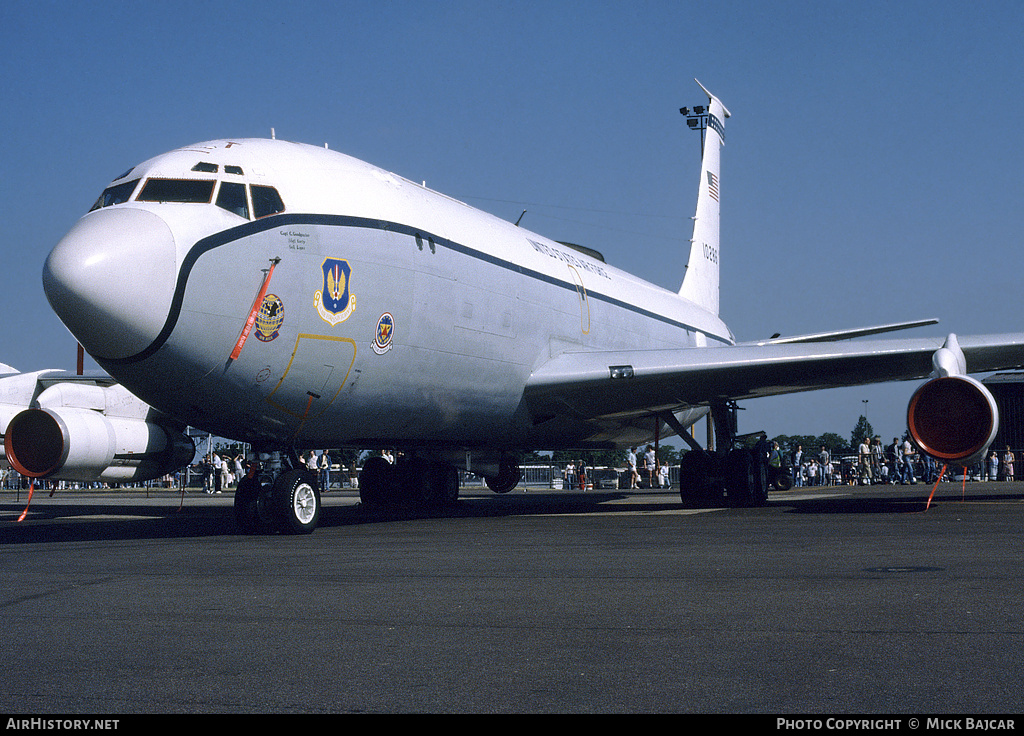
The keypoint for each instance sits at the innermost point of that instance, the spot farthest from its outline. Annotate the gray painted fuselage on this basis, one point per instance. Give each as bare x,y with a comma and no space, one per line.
475,303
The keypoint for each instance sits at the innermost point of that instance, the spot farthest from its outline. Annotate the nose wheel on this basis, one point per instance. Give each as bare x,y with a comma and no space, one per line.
289,505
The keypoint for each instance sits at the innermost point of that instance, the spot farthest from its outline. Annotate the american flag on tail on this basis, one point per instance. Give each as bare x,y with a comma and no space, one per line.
713,185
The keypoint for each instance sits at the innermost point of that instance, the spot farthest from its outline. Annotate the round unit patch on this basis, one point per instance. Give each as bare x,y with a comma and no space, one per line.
385,331
270,318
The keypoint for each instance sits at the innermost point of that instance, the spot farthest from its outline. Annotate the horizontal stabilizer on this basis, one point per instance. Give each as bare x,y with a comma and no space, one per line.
846,334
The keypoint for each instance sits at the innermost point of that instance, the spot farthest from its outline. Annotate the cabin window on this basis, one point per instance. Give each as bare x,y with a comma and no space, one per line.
192,191
232,198
116,194
265,201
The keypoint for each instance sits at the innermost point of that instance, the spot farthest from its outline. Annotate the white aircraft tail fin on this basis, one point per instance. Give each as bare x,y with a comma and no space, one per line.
700,282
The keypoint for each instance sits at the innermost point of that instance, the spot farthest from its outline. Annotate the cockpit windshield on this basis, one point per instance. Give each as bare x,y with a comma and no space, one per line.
232,196
265,201
116,194
193,191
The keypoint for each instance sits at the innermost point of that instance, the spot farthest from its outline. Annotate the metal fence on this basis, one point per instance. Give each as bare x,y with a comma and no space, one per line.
601,477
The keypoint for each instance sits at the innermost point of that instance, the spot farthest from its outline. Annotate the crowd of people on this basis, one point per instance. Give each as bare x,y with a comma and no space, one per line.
642,470
221,473
900,462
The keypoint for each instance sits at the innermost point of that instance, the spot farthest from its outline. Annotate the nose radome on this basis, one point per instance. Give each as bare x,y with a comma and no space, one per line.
111,280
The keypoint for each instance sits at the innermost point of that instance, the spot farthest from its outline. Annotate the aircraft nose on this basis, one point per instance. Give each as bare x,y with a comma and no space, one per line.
111,280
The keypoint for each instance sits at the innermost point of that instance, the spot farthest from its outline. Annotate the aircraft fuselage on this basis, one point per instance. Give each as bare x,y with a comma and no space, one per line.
391,315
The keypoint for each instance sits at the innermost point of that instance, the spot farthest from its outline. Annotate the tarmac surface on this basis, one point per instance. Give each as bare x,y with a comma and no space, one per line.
828,601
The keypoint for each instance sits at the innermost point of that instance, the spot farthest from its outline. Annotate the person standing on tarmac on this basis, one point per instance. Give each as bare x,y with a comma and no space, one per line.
631,463
651,461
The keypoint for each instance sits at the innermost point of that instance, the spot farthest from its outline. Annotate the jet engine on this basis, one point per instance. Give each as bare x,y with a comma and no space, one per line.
954,419
85,445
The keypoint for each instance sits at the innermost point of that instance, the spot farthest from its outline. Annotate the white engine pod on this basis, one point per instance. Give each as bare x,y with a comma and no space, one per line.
78,444
954,419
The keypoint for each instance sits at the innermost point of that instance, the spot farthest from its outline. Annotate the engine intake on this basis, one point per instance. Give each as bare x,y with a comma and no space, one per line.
954,419
78,444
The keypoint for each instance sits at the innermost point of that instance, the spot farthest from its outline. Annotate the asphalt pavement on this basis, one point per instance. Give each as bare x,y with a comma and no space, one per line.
828,601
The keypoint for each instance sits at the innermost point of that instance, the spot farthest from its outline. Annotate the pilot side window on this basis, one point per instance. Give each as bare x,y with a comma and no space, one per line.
265,201
191,191
232,198
116,194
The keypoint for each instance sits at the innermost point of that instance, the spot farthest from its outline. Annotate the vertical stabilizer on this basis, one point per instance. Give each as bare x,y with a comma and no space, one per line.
700,282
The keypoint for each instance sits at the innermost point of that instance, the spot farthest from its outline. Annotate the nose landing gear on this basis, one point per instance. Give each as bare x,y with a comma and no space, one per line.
289,504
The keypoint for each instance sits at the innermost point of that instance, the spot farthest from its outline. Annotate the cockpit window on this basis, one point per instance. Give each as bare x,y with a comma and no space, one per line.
193,191
265,201
206,168
116,194
232,169
232,198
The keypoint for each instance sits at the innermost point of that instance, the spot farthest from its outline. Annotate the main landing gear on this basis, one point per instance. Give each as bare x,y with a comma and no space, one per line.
737,476
412,481
427,483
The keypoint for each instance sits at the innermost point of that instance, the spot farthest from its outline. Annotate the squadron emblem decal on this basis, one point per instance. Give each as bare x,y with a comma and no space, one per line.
385,331
269,318
334,301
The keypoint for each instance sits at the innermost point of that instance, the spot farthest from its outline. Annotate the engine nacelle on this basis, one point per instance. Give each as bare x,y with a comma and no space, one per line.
954,419
84,445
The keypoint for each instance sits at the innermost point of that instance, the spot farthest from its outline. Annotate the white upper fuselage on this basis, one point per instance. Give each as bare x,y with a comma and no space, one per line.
393,315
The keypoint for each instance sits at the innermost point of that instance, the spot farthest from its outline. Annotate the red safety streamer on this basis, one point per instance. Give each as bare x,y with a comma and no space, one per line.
938,480
28,503
254,311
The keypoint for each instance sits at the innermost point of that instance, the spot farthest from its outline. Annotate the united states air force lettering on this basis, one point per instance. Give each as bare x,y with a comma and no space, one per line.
569,258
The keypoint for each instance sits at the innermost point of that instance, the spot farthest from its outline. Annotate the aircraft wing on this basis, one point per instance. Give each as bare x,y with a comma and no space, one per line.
591,385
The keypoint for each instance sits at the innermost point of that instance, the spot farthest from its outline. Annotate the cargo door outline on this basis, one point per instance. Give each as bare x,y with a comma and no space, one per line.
319,377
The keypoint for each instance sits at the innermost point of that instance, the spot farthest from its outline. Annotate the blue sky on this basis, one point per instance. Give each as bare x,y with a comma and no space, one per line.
872,171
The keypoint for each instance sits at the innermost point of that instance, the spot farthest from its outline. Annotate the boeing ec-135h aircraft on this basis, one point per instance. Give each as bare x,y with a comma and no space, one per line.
290,296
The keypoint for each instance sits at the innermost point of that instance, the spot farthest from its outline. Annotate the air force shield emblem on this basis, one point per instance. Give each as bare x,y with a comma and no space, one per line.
334,302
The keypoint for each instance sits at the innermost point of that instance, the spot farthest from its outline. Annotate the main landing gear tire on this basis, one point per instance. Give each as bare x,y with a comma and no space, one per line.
740,478
508,477
247,495
699,478
413,482
746,478
781,479
376,482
